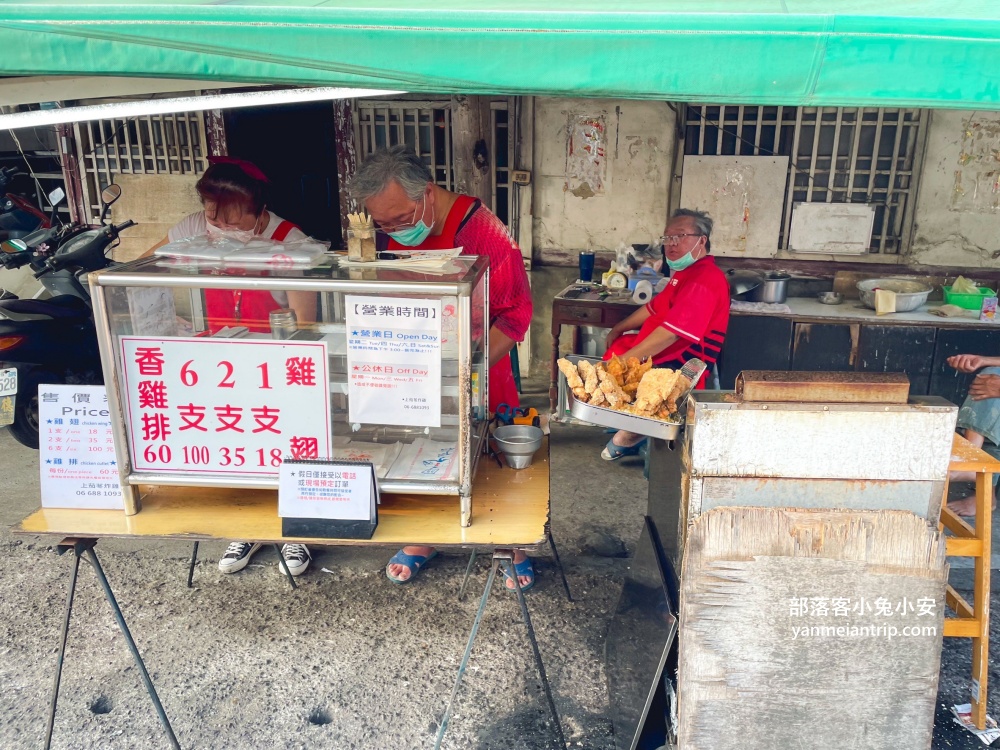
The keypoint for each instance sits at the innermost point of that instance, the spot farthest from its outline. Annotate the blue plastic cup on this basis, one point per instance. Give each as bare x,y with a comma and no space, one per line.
586,266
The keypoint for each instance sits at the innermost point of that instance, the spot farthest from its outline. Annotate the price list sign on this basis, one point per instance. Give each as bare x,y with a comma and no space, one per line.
76,450
225,406
394,361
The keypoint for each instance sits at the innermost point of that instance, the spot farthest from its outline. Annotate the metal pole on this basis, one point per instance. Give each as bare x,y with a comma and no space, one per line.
468,572
194,559
509,568
562,573
62,646
281,564
109,594
465,658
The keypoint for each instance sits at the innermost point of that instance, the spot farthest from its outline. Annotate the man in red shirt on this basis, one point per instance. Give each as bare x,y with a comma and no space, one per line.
686,320
399,192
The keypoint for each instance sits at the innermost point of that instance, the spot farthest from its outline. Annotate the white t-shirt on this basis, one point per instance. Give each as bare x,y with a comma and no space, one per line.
196,225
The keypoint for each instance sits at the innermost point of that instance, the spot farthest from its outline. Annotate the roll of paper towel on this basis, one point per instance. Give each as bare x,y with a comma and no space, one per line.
643,292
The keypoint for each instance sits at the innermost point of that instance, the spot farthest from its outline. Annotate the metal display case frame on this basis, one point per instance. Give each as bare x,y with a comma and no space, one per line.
327,277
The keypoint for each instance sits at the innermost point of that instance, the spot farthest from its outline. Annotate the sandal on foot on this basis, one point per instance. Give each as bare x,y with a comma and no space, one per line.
414,562
613,452
523,569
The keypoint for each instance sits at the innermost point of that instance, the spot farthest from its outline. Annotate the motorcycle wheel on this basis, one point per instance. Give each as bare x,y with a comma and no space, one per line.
25,426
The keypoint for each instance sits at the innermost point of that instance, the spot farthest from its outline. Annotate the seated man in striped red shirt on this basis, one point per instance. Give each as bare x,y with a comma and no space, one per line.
688,319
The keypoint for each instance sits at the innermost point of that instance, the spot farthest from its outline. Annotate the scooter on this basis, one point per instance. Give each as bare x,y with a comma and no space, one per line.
52,341
18,216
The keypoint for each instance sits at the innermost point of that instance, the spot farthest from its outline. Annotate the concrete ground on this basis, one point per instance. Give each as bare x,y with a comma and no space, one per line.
347,661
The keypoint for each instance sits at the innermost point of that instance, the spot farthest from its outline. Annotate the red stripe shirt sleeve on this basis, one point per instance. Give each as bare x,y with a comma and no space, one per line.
510,294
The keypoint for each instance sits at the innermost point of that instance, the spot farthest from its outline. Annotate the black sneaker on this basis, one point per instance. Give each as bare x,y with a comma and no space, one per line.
237,556
296,557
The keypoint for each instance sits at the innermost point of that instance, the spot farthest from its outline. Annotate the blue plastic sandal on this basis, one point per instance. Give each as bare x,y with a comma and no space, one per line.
523,569
613,452
414,562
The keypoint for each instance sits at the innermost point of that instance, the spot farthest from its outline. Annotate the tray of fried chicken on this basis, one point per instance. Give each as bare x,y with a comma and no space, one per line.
628,394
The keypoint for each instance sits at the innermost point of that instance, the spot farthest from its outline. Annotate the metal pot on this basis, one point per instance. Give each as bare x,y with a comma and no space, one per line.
741,282
774,288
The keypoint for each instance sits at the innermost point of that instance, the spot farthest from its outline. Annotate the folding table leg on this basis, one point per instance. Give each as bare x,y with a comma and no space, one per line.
85,548
562,573
981,602
194,559
468,572
62,649
508,564
281,564
465,657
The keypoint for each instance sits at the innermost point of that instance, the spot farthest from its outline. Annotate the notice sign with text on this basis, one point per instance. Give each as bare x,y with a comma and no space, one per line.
394,361
76,449
225,406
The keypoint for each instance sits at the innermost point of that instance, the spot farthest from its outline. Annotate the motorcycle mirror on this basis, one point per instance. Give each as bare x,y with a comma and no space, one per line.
110,194
13,246
56,197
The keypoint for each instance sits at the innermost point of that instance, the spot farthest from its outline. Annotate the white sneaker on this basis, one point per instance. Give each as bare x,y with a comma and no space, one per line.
296,558
237,556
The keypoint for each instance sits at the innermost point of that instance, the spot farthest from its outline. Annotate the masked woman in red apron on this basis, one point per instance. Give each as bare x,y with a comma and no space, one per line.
398,191
234,195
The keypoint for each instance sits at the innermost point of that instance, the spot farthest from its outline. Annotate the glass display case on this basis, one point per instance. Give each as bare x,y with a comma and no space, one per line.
216,374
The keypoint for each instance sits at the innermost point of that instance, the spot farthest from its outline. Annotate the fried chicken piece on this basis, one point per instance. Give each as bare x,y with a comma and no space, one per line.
634,369
580,394
616,368
612,391
568,369
589,374
654,387
598,398
631,388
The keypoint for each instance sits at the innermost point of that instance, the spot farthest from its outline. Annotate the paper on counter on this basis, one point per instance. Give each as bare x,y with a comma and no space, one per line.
381,455
426,459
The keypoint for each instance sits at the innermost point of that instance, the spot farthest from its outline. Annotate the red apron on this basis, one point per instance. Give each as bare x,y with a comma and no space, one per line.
244,307
503,389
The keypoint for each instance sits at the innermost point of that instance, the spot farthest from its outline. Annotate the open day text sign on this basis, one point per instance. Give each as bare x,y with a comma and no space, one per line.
225,406
394,360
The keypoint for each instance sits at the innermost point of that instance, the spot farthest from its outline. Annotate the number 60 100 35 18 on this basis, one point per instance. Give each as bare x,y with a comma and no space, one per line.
200,455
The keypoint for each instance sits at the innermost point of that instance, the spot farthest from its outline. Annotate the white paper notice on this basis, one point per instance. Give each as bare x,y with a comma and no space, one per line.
394,361
225,406
338,491
76,450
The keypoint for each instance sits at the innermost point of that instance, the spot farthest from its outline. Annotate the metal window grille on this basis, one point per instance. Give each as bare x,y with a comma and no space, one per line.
424,125
152,144
502,156
836,154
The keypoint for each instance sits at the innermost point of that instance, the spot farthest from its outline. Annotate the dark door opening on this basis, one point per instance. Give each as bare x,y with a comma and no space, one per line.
294,144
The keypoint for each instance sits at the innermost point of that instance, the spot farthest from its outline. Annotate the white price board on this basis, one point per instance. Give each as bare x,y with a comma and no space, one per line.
335,490
225,406
394,361
76,449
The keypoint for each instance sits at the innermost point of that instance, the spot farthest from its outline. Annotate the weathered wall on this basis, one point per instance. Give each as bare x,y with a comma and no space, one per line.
958,202
613,187
155,203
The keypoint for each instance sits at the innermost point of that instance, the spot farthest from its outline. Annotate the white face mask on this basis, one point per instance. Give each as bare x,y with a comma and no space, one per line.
241,236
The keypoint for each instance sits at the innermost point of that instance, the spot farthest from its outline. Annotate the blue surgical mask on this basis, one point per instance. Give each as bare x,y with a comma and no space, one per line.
681,263
416,234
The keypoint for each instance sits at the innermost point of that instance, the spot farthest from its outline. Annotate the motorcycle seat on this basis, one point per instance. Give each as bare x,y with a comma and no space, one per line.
63,307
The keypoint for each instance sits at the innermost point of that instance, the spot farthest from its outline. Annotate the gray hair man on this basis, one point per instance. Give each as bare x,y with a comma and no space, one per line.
686,320
399,192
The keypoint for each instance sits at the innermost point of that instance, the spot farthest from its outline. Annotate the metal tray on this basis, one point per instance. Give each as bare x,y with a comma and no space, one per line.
620,420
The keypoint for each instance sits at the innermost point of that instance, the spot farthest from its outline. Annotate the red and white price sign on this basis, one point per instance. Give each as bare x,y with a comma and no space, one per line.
225,406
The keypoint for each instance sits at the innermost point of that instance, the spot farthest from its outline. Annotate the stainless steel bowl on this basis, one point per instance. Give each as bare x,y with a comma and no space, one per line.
910,294
518,443
830,298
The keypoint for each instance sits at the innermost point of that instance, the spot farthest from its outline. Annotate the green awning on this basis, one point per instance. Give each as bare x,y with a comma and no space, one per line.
933,53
